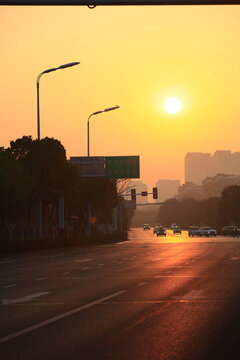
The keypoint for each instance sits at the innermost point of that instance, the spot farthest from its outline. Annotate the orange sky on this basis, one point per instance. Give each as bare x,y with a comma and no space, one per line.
131,56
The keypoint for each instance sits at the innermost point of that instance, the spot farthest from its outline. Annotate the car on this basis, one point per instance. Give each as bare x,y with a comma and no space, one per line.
155,229
146,227
193,231
230,231
207,231
177,230
161,231
173,226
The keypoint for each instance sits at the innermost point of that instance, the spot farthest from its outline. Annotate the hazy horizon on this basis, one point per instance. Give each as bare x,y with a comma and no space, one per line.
134,57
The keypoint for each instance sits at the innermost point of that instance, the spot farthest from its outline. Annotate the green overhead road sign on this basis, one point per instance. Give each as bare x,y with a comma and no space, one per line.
122,167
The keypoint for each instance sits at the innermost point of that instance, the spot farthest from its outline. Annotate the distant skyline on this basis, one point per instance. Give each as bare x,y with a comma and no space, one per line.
191,53
199,166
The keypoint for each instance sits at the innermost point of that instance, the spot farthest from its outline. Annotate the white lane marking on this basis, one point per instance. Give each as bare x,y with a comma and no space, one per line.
7,261
9,286
66,273
83,260
101,264
85,268
41,278
23,298
161,258
59,317
194,294
141,284
234,258
179,276
169,272
114,261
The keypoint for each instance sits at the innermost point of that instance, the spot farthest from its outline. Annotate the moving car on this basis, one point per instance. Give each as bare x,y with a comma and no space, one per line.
161,231
146,227
207,231
177,230
155,229
193,231
230,231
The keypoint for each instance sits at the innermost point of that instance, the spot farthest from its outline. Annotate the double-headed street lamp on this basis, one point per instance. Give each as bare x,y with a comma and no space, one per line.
38,79
38,126
96,113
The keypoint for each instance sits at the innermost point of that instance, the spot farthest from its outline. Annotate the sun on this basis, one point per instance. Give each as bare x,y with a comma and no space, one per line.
173,105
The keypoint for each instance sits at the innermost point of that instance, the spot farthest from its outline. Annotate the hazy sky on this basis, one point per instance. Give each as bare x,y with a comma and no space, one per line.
132,56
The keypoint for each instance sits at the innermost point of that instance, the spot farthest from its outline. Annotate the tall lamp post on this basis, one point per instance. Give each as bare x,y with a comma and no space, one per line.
38,125
38,79
96,113
89,204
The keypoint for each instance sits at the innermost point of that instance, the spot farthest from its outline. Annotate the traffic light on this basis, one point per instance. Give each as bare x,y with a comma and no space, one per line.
155,193
133,194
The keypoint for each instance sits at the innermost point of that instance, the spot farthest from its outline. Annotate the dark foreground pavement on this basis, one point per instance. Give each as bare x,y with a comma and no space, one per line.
149,298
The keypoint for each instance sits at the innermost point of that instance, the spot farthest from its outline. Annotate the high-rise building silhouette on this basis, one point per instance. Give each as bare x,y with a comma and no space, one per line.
196,167
199,166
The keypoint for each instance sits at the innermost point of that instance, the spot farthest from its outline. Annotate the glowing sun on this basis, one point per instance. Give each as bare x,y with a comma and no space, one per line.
173,105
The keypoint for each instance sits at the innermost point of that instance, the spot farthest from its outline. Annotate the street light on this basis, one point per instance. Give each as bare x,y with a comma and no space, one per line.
96,113
38,79
38,126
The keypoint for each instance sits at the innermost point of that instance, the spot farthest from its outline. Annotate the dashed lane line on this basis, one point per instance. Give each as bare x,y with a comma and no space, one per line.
41,278
23,298
83,260
59,317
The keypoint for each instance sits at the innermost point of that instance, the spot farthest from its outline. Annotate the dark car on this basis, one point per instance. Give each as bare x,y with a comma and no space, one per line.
155,229
146,227
193,231
230,231
177,230
161,231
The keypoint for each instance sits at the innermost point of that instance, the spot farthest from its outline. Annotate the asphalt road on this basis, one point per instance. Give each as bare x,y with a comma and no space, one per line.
149,298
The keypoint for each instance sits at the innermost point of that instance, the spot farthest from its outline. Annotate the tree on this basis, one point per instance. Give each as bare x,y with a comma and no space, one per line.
229,206
20,147
16,191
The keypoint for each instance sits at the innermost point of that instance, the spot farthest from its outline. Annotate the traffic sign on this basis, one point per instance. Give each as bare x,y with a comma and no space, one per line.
122,167
89,166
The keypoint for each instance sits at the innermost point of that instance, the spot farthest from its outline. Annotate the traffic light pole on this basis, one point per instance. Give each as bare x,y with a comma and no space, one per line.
143,193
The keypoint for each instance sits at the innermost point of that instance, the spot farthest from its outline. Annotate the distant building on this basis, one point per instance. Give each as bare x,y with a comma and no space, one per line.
139,186
167,189
190,190
199,166
196,167
211,187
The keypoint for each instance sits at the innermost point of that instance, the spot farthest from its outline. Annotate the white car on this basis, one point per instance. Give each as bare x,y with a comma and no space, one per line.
207,231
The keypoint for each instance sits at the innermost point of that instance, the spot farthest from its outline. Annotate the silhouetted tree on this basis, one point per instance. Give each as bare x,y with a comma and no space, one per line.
229,206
